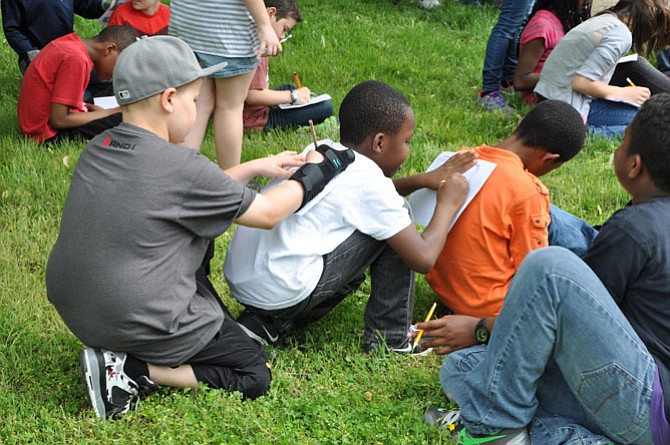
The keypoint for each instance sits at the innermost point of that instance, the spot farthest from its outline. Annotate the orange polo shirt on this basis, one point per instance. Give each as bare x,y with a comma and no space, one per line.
507,219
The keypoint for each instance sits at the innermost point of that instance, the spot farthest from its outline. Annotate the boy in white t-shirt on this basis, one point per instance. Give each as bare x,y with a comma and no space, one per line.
296,273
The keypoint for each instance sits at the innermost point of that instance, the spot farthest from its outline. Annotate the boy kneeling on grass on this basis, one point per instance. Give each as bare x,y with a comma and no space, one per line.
129,270
580,352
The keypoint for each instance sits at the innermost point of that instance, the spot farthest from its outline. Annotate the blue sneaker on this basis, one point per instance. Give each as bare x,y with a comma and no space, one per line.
494,101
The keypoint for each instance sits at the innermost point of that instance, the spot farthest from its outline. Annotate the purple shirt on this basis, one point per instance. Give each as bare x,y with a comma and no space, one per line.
660,429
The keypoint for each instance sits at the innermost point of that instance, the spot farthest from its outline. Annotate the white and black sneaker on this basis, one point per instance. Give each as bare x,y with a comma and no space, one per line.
110,391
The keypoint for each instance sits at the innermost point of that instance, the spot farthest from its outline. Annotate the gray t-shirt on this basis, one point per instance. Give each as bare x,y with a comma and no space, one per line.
136,224
592,50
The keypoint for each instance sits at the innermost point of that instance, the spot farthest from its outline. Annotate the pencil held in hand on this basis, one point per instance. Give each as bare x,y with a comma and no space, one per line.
428,317
297,79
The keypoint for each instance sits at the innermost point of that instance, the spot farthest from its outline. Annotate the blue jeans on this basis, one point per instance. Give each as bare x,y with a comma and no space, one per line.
501,53
609,119
567,230
562,359
388,313
298,116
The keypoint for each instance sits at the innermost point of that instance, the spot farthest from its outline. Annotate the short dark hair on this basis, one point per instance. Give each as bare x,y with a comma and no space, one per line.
123,36
555,126
650,138
285,9
371,107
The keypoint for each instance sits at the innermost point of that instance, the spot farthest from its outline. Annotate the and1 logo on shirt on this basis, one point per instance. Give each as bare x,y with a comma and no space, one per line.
109,142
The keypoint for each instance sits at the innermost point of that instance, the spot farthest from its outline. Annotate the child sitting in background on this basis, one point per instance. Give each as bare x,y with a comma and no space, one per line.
29,25
145,17
549,22
129,271
579,69
51,99
261,110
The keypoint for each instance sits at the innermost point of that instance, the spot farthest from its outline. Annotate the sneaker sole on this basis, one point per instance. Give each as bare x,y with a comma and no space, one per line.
92,379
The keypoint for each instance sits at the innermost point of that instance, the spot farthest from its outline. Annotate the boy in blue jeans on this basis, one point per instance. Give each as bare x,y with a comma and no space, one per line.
128,273
580,352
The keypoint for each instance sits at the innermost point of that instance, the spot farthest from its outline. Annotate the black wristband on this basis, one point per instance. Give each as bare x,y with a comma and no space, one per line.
314,177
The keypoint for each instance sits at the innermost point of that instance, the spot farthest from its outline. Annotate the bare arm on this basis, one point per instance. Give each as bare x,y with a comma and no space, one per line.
595,88
268,38
420,251
272,166
269,97
61,118
458,163
525,78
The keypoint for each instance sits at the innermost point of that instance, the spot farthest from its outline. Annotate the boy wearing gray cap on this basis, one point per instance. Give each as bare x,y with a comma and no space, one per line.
128,272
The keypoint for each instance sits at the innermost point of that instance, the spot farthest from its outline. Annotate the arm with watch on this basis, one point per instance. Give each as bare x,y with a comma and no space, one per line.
269,97
453,332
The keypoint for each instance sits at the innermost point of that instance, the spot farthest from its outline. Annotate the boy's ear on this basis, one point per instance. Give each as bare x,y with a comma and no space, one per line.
550,158
635,165
378,143
166,98
272,11
110,48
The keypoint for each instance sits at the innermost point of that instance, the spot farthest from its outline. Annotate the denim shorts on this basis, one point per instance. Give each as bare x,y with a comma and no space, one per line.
235,67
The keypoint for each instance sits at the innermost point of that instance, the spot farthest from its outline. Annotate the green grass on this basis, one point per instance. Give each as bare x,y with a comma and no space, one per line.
324,390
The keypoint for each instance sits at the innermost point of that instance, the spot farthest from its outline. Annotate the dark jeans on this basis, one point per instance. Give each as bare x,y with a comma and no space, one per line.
295,117
231,360
388,313
641,73
88,131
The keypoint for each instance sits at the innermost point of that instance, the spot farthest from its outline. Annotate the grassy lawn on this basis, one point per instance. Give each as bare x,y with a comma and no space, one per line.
324,390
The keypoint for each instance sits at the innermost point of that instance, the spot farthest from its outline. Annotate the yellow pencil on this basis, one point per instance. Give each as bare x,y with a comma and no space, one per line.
630,82
430,314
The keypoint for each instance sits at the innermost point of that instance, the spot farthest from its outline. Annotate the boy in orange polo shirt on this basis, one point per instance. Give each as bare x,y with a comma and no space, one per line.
508,218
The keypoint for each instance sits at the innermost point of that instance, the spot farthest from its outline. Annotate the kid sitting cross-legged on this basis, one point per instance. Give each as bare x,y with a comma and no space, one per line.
128,272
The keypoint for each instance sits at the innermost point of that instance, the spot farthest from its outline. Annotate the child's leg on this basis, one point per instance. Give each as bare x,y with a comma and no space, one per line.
204,110
567,230
556,308
230,93
292,117
641,73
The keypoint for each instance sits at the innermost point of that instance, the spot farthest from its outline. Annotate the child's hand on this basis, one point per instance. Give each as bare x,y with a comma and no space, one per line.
636,95
304,95
270,45
453,190
448,334
276,166
458,163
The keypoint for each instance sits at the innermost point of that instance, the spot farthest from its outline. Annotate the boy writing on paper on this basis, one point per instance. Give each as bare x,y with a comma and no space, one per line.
128,273
51,99
508,218
299,271
261,107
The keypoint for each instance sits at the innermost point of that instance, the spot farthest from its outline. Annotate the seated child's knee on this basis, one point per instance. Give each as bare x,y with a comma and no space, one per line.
258,381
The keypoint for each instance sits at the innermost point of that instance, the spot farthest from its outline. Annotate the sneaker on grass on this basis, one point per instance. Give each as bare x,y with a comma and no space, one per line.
110,391
493,101
503,437
448,419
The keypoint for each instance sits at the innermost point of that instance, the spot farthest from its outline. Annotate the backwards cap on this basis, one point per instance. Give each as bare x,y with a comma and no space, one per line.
152,65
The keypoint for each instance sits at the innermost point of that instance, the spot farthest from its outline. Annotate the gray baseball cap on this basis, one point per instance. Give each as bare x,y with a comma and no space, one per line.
152,65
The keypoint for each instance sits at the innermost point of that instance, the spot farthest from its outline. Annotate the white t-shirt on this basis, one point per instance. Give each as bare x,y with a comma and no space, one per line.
276,269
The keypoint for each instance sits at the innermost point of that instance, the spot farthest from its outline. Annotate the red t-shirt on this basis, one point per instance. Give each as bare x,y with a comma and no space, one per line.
256,116
505,221
141,23
59,74
546,26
